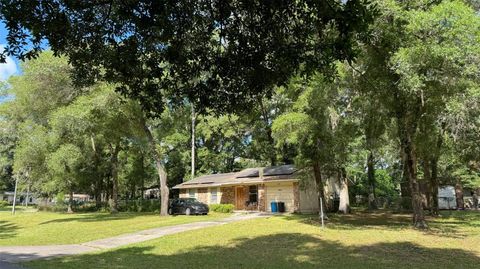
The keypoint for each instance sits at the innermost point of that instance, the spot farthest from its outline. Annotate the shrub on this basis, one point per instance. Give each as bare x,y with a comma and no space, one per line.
222,208
86,207
3,204
402,204
60,199
52,208
139,205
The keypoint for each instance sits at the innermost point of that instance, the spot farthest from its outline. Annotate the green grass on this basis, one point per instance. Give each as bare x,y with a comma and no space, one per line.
29,227
361,240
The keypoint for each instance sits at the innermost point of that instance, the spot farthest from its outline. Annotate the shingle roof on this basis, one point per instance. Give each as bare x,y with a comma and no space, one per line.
246,176
211,179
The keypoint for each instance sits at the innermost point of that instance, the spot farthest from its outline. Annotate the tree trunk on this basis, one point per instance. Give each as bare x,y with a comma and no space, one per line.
476,194
344,206
28,193
273,157
320,187
434,186
268,130
133,191
434,171
162,175
98,194
410,162
142,180
372,204
459,195
98,181
70,203
193,142
114,166
15,196
427,178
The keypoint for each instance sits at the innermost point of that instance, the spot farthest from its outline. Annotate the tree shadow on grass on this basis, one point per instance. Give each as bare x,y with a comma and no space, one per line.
287,250
7,229
453,227
457,224
357,220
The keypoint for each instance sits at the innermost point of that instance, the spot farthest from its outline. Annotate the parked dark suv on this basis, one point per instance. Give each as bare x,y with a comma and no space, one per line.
187,206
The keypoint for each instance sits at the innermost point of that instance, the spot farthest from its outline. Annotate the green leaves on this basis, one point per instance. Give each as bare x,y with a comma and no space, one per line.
292,128
442,49
64,165
221,55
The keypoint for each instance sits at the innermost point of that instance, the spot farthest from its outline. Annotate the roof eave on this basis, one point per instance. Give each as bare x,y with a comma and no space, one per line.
227,184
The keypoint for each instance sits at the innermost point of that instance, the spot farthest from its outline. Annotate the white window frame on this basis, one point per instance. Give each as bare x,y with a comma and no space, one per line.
190,193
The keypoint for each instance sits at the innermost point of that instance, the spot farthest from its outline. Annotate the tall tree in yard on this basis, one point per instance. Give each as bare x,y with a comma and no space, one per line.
99,119
64,164
430,145
420,55
373,120
320,127
43,87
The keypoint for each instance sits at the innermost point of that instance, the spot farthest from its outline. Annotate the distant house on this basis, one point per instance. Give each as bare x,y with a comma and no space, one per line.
447,197
253,189
79,197
21,197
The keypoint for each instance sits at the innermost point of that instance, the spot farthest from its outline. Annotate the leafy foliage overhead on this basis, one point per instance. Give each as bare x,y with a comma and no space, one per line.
217,53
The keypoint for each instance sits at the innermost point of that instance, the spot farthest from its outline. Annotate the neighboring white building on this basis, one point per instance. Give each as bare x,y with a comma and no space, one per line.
447,198
21,196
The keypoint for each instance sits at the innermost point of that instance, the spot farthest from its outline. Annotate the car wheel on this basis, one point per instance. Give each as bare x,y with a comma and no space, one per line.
188,212
170,211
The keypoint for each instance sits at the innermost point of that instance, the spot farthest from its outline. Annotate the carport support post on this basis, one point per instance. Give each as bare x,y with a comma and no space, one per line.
15,196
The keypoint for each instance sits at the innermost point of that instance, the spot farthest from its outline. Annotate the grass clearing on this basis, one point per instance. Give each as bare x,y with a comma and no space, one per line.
30,227
361,240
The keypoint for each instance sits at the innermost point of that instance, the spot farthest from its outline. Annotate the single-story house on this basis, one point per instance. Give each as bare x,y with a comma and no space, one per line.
21,197
253,189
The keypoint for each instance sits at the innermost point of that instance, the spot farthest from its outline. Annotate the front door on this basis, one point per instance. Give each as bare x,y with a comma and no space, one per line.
240,198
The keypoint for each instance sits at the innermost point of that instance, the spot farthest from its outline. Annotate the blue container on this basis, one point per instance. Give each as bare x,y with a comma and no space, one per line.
274,206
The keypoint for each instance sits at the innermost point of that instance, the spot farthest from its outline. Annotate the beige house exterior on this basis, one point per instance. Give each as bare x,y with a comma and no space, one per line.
253,189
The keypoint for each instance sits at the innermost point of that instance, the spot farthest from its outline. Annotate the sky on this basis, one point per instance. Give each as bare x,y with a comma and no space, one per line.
11,67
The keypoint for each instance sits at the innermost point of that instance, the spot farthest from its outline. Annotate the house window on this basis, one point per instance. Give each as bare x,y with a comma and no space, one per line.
213,196
253,194
191,193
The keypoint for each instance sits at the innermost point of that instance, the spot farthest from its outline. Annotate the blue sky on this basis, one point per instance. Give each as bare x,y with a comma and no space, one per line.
11,67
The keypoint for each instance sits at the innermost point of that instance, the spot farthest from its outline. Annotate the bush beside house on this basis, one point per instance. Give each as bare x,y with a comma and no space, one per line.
222,208
3,204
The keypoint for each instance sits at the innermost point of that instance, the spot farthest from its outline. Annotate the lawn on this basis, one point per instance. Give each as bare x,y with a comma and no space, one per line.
360,240
29,227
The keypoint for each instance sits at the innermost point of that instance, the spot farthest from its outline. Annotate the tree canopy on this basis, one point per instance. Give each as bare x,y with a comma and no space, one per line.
219,54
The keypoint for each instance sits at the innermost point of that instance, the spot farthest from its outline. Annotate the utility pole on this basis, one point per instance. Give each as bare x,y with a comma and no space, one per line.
321,212
15,195
193,141
28,194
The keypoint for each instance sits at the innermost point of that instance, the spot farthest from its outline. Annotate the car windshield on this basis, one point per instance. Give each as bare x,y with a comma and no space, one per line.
190,200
